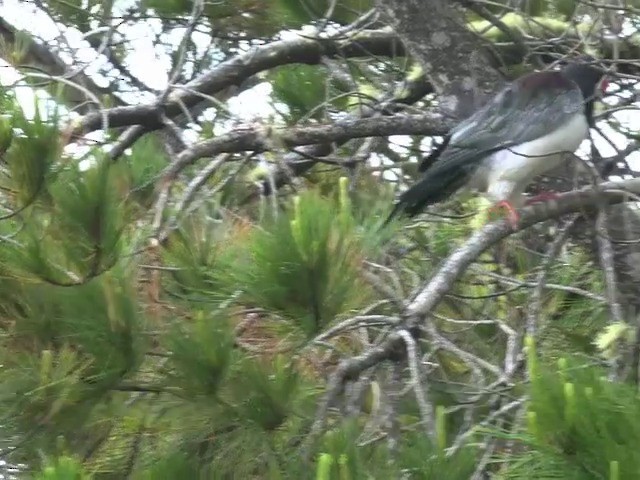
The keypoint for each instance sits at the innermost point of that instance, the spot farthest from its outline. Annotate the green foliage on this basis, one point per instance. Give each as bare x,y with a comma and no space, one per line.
88,208
79,235
63,468
64,350
194,359
261,18
306,264
30,153
570,322
201,354
146,162
308,91
614,338
340,456
233,405
301,88
50,387
343,11
202,255
79,12
267,393
171,466
537,8
167,7
581,426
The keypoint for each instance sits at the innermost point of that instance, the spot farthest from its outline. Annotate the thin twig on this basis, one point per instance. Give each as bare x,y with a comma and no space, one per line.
426,409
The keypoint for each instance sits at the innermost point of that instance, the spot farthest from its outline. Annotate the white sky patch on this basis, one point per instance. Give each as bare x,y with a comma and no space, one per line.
253,103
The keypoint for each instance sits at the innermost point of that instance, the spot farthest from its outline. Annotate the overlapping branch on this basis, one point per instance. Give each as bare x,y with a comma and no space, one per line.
418,309
260,139
240,68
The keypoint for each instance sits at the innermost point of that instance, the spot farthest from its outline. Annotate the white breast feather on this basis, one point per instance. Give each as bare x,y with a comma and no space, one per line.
508,172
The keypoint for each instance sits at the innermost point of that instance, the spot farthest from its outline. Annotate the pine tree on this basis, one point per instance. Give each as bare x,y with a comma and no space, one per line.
187,294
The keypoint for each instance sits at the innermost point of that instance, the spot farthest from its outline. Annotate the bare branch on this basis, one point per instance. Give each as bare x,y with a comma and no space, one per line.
40,58
261,139
426,409
238,69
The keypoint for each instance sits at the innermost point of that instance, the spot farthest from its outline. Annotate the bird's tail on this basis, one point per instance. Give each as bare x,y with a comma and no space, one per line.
436,185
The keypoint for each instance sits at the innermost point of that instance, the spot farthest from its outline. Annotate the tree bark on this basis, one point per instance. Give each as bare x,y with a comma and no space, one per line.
434,32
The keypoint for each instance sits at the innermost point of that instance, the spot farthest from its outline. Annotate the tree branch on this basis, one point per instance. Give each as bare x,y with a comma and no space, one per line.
430,296
262,139
37,56
466,72
239,68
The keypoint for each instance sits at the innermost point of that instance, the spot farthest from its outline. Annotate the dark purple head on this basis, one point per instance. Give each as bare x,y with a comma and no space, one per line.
592,82
591,79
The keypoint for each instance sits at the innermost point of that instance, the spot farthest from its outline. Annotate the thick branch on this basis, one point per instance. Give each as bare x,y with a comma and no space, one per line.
262,139
40,58
437,36
238,69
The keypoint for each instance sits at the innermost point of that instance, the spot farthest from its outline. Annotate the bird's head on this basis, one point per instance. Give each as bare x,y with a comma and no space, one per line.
591,78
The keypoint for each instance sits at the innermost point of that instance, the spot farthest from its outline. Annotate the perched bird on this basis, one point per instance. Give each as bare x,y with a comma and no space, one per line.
519,134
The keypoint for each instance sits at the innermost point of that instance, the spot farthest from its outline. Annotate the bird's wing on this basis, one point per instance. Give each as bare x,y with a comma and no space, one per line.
435,153
522,112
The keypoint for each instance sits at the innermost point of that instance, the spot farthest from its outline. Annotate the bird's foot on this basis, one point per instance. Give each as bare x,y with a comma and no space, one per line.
542,197
512,215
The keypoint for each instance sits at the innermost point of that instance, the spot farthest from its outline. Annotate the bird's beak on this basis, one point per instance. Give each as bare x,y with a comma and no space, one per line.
604,85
